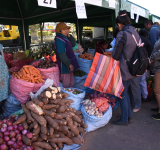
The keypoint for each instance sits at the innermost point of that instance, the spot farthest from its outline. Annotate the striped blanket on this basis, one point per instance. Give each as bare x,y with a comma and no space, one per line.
105,76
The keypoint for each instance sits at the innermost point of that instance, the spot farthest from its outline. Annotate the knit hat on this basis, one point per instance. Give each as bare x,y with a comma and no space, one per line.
61,26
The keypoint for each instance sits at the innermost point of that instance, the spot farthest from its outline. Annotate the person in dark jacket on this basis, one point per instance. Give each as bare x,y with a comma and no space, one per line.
101,46
155,67
127,45
154,31
147,45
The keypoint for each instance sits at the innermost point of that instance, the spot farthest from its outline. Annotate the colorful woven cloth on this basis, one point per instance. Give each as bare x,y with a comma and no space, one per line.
105,76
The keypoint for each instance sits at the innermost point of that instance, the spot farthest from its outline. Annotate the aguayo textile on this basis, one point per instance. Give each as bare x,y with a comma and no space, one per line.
105,76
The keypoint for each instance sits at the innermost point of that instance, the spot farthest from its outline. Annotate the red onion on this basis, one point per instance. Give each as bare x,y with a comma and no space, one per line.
19,143
10,128
4,125
5,120
23,145
19,137
12,134
29,135
3,129
1,122
16,146
1,140
9,123
1,134
6,133
10,142
15,127
11,149
29,148
3,147
6,138
16,118
24,132
104,95
17,131
20,128
25,148
19,125
13,139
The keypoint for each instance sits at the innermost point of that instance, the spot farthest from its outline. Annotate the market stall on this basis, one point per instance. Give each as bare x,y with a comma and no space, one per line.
138,14
154,18
25,13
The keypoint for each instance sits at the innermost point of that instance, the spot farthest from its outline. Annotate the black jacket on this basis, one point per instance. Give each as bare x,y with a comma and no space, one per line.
147,45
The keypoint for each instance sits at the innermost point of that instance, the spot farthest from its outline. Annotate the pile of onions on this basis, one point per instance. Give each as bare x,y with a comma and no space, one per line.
97,94
11,135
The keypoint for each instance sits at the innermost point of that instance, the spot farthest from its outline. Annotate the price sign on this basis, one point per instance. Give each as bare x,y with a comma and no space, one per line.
80,9
47,3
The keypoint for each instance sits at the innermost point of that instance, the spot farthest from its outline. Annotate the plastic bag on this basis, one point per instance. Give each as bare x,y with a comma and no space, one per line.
76,98
101,103
93,122
79,82
51,73
11,105
47,83
73,146
21,89
84,64
91,51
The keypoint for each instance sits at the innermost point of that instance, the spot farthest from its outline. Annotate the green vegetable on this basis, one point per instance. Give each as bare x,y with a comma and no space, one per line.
79,73
74,91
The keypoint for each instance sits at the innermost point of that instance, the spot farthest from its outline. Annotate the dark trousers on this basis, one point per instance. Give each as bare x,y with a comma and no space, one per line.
125,102
135,92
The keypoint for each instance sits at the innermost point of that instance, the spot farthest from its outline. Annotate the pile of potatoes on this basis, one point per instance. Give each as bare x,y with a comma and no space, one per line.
51,120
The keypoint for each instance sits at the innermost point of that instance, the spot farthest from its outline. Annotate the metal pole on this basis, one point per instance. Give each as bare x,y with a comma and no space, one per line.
25,47
78,31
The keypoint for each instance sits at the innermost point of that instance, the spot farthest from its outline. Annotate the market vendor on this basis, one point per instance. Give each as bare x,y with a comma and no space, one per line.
4,77
66,59
101,46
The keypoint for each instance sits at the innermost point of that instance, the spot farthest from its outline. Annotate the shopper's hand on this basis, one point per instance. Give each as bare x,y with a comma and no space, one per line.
71,68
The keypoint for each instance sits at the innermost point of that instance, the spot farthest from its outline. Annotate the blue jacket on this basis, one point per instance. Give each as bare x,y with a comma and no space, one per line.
154,34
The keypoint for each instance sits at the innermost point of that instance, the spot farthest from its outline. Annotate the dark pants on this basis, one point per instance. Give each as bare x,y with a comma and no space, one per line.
135,92
125,102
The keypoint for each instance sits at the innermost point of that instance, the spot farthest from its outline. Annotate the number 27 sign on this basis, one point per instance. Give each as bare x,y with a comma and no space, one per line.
48,3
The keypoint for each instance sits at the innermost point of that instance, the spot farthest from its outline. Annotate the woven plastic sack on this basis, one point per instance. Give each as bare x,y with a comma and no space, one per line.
8,57
73,146
11,105
21,89
76,98
94,122
20,63
51,73
79,82
84,64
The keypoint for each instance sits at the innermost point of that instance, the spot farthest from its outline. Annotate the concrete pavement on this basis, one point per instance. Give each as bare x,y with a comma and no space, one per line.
142,134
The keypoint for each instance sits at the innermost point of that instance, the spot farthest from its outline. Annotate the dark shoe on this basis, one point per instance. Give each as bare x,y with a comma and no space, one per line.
156,116
130,120
155,109
120,122
145,100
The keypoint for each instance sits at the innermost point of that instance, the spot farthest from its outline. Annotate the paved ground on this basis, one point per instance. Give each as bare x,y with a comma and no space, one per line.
142,134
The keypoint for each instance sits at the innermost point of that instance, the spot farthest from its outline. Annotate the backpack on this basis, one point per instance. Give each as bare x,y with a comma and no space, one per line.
139,62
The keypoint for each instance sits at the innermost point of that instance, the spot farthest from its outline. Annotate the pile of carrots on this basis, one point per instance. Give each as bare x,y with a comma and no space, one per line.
86,56
30,74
